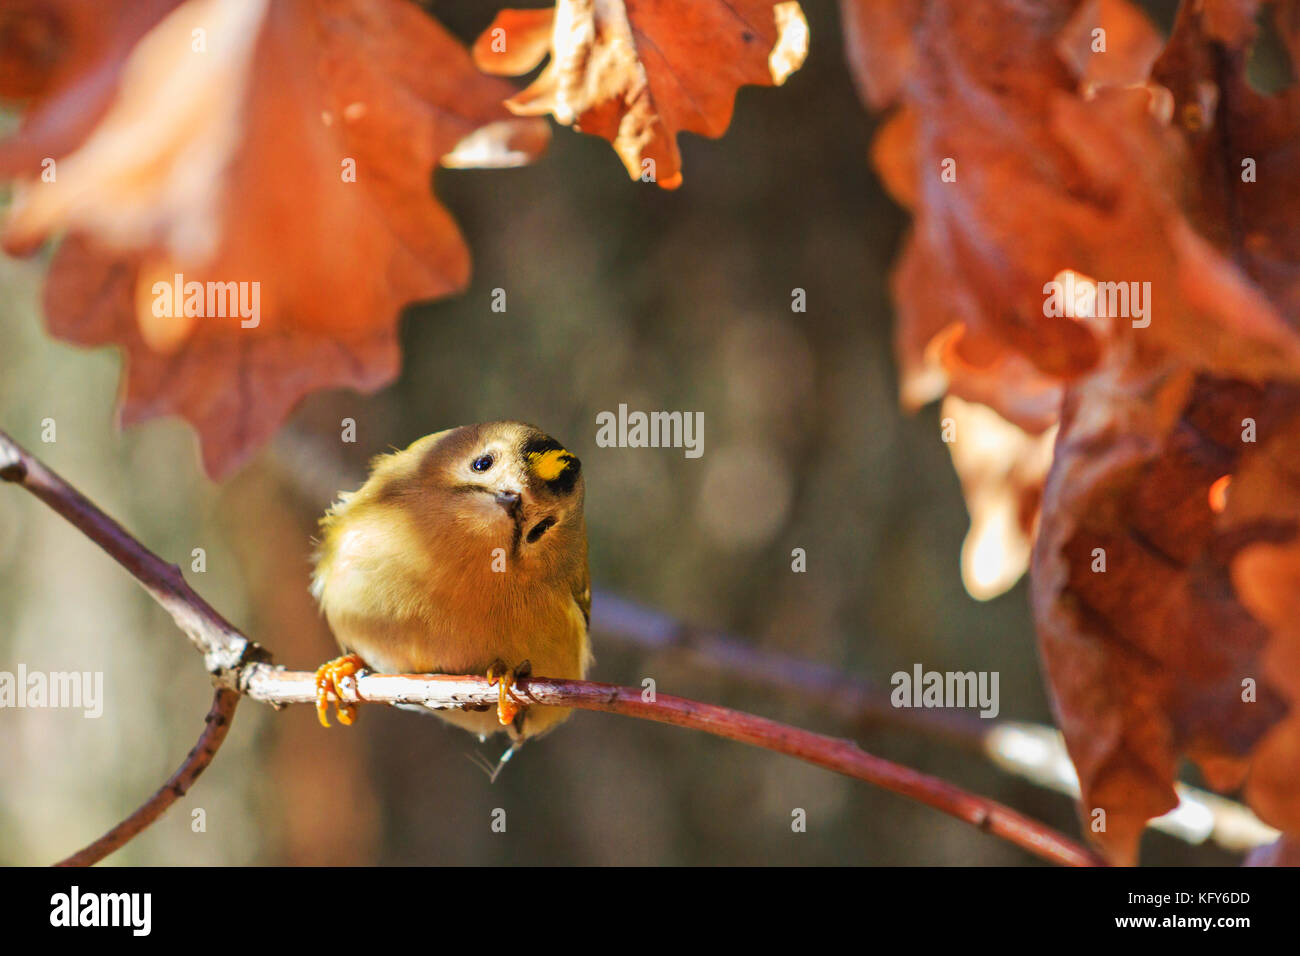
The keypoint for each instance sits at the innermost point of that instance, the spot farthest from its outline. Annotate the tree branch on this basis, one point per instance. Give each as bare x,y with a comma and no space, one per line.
215,728
443,691
1032,752
225,651
237,664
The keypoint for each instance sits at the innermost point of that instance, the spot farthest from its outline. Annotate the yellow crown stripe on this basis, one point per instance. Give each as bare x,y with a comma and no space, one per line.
549,465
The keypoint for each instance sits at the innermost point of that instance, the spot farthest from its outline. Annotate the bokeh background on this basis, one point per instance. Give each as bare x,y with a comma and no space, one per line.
617,292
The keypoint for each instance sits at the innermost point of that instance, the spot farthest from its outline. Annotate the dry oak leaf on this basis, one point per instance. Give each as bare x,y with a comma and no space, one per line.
1018,170
999,205
969,151
1109,43
1267,578
1190,496
1146,631
1245,145
279,154
1024,169
638,72
1064,164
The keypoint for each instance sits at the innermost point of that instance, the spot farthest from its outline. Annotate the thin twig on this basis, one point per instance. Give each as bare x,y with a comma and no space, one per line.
238,664
271,685
215,728
224,649
1032,752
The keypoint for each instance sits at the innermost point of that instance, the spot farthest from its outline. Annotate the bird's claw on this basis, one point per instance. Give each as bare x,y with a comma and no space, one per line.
328,677
501,676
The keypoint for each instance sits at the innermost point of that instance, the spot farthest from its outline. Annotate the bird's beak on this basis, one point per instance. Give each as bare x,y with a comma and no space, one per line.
510,501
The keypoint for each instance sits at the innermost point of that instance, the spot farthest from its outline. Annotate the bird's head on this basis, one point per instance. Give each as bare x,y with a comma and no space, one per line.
508,481
497,484
459,499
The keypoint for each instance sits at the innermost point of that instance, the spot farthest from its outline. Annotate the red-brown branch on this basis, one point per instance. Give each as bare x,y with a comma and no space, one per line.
239,665
224,649
842,756
215,728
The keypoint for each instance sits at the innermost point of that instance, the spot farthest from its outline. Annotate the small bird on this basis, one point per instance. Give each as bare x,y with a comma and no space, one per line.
466,553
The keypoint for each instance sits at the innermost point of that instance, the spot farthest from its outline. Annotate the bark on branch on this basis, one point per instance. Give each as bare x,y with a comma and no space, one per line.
215,728
240,666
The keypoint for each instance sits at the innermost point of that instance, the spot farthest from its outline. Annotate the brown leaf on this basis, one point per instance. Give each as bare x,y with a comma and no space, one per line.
227,164
938,352
1147,657
1226,123
1266,575
1147,661
638,72
1019,169
972,126
1073,162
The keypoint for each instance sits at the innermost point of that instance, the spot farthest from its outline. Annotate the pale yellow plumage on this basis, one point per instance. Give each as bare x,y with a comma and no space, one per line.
440,565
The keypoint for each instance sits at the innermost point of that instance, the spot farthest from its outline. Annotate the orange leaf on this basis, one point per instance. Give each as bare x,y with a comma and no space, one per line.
1164,537
276,150
1154,609
638,72
1021,168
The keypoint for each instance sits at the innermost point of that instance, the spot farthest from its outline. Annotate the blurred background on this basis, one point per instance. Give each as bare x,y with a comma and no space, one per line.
618,292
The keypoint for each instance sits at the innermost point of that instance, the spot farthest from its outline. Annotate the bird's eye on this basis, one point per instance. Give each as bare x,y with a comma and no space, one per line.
482,463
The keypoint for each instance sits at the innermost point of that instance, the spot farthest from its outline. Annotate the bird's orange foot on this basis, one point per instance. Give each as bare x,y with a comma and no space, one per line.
502,676
328,677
